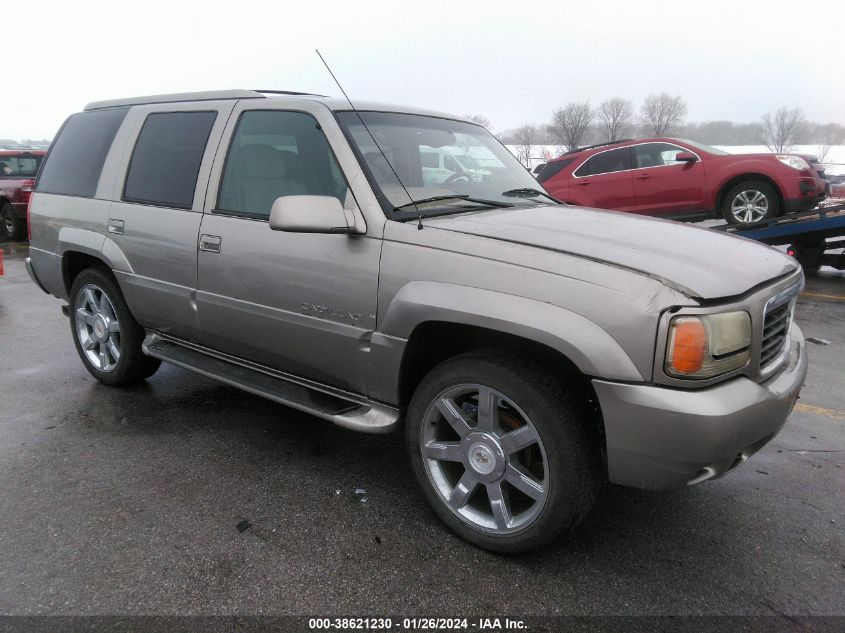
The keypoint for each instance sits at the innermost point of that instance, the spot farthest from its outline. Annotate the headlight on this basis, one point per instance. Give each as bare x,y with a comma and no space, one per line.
796,162
701,347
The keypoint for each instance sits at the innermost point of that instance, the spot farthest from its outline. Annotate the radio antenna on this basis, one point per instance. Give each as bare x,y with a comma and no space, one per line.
381,151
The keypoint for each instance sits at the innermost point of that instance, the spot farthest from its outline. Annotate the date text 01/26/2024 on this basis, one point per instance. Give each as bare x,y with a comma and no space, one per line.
416,624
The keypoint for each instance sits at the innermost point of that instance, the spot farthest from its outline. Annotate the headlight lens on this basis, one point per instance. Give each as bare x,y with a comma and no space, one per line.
701,347
796,162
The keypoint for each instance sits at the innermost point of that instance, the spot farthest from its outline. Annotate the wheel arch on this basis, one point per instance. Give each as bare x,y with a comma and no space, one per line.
74,262
747,177
80,248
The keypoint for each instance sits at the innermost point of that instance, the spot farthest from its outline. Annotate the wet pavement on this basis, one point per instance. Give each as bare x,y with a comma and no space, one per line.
183,496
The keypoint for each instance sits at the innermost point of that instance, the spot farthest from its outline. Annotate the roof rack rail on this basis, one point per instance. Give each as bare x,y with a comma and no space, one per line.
289,92
581,149
210,95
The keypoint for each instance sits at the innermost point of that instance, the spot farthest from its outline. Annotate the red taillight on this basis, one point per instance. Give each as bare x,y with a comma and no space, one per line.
26,193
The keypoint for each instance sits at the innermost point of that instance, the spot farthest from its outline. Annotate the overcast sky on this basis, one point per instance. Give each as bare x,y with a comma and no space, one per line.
513,62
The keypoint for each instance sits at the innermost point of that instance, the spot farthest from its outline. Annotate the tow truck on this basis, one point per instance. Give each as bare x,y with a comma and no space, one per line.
811,236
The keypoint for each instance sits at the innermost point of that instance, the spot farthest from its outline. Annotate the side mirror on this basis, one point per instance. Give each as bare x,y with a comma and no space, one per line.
686,157
308,214
539,168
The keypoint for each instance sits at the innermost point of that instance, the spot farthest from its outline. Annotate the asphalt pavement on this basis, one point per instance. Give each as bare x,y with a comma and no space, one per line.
184,496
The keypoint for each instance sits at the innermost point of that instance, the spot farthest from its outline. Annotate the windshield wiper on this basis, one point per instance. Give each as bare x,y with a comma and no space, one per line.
456,196
528,192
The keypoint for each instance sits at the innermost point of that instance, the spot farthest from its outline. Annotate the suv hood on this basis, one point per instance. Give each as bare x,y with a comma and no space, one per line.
699,262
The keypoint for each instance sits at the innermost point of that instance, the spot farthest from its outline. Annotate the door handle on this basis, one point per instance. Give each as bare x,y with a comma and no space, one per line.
643,177
583,183
116,226
210,243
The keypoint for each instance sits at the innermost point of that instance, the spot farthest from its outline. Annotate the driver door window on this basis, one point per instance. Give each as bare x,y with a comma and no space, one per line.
275,154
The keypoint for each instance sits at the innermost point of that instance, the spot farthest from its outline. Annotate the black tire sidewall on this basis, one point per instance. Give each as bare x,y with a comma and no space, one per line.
17,233
133,365
571,452
764,188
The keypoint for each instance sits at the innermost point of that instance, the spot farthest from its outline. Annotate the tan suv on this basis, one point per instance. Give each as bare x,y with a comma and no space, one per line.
291,246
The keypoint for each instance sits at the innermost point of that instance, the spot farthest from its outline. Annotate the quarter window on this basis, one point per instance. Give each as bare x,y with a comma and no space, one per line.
606,162
73,166
167,158
274,154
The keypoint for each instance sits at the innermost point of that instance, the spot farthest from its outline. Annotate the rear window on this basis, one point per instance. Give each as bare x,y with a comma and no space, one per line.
20,166
167,158
73,166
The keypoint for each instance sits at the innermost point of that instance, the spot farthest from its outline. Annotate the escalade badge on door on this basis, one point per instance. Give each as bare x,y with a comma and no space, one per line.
333,312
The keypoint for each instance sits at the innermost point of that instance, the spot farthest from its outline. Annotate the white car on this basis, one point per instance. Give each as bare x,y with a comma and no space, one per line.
449,164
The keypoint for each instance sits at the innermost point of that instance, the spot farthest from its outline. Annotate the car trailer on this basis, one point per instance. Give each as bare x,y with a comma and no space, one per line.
810,235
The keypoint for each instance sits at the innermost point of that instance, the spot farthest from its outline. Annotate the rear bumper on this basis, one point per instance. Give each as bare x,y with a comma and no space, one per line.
660,438
32,275
20,209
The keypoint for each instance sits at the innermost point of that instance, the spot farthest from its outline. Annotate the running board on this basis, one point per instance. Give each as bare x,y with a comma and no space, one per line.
334,405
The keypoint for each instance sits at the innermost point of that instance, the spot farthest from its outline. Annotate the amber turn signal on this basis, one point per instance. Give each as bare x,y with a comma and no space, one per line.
688,345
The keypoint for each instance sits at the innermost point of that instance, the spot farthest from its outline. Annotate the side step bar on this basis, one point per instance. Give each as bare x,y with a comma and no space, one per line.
334,405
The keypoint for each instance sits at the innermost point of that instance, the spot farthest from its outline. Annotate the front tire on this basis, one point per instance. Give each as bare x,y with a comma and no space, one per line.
14,228
749,203
107,337
501,451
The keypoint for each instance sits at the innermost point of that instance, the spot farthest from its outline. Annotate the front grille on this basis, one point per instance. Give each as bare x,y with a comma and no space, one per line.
775,328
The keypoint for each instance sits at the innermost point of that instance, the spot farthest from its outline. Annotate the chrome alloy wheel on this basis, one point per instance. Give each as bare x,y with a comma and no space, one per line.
484,458
97,327
749,206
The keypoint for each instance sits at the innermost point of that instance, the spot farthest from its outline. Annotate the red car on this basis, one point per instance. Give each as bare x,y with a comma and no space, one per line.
18,168
681,179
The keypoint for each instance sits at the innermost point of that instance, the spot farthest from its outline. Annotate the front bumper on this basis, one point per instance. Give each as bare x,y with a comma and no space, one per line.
806,195
661,438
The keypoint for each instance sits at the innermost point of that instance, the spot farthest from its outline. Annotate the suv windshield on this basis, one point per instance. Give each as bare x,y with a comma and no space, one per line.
452,165
20,166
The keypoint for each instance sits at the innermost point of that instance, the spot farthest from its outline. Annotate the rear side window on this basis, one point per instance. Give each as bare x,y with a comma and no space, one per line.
73,166
553,168
167,157
606,162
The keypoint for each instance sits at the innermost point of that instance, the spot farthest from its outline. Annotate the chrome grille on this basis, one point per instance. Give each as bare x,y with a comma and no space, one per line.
775,329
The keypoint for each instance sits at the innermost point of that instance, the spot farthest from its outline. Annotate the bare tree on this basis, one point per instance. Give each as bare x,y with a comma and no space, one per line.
525,137
570,123
782,127
663,114
827,136
615,116
482,120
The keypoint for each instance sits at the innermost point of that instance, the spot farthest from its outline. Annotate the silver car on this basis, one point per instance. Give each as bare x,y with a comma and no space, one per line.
289,245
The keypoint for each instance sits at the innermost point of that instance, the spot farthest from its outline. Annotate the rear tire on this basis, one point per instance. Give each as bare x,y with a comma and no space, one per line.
750,202
107,337
510,476
14,228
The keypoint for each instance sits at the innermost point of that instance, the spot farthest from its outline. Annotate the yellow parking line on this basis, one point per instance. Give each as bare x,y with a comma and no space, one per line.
828,413
823,296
